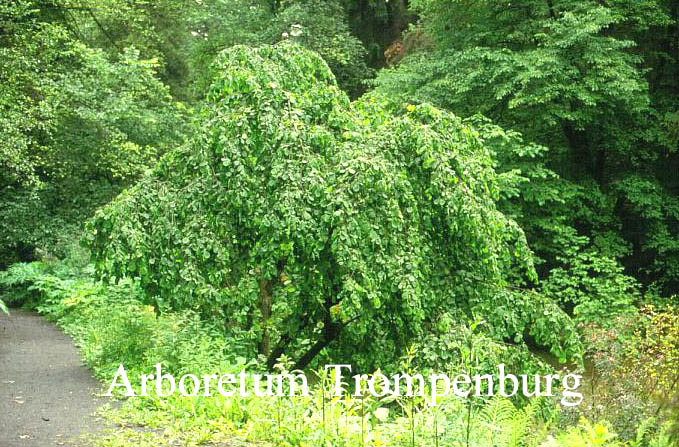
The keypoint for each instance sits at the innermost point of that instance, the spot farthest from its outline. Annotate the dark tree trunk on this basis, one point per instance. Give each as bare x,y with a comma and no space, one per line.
304,361
265,310
550,5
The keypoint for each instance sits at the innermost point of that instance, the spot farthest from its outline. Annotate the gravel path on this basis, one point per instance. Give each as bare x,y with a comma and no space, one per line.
46,395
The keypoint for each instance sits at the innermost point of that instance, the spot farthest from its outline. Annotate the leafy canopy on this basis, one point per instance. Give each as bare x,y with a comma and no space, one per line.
585,83
305,221
77,127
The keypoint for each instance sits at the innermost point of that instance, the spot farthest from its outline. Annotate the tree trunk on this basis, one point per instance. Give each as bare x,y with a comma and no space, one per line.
304,361
265,309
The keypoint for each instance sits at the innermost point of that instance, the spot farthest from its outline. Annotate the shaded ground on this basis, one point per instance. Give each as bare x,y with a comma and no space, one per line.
46,395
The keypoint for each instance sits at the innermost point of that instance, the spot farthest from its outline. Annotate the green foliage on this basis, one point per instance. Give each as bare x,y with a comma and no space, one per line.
344,214
321,26
296,222
585,435
594,286
185,36
15,283
571,77
111,326
78,128
220,24
451,346
501,424
651,205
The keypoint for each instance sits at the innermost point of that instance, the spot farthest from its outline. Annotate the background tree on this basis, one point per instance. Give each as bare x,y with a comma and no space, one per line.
590,82
78,128
185,36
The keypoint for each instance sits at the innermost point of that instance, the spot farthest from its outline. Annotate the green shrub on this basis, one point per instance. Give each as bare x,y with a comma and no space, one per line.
15,283
584,435
111,325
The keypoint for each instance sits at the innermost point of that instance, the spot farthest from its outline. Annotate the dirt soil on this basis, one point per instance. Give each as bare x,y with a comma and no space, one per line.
47,396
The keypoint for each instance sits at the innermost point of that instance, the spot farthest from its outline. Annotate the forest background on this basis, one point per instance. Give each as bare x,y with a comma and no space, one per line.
494,180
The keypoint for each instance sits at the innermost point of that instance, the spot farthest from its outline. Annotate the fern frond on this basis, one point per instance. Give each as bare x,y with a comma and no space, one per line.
495,419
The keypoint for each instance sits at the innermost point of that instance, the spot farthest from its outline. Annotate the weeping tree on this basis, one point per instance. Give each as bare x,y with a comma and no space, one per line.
309,224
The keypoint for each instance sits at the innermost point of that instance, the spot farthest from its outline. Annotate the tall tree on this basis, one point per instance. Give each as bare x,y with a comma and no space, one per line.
308,224
78,128
570,76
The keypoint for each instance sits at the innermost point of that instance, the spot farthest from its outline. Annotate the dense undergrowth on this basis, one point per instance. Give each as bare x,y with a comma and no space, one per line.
111,326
